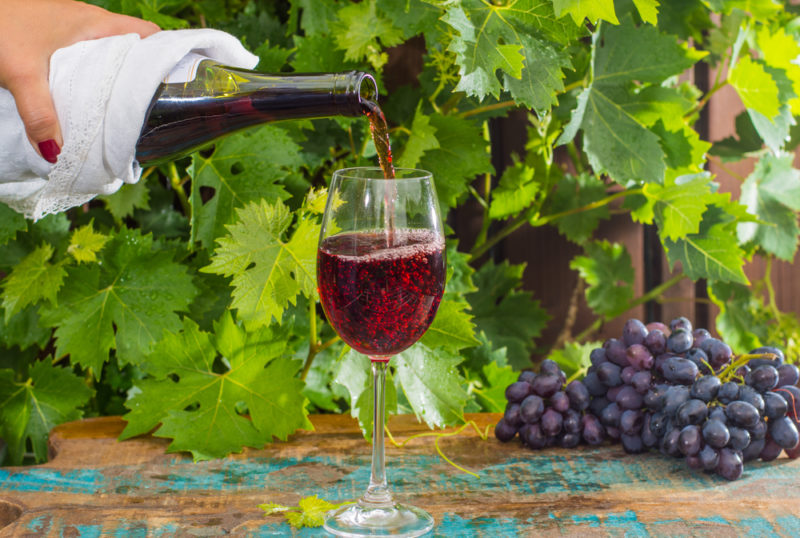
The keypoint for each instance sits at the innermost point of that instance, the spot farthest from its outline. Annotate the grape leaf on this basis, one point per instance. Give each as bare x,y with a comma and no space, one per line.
432,384
422,139
461,156
678,205
316,55
452,328
509,317
776,131
516,191
244,167
733,149
11,222
23,330
129,197
32,280
573,192
713,252
459,272
772,193
737,322
648,10
608,272
315,16
85,243
268,271
362,32
123,303
593,10
780,50
654,103
353,373
198,405
52,229
757,89
514,39
492,394
28,410
574,356
757,8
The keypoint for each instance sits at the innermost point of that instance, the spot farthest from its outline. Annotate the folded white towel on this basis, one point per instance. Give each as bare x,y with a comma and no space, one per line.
101,89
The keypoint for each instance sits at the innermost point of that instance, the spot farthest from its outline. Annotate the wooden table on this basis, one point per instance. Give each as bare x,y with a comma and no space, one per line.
96,486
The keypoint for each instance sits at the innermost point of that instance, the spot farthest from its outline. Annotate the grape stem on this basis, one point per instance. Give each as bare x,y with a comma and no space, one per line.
484,435
177,186
740,360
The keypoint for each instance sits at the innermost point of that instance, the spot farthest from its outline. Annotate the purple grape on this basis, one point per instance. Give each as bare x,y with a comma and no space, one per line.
572,421
659,423
779,356
719,353
641,381
518,391
694,463
680,371
752,450
740,438
610,415
750,395
615,352
690,441
691,412
593,384
532,435
634,332
512,415
527,376
716,434
770,451
674,397
774,405
742,371
597,405
545,385
630,422
627,374
717,413
728,392
613,392
551,421
792,396
628,398
742,414
788,374
762,378
598,356
730,465
655,398
578,395
657,326
531,409
656,342
640,357
593,432
698,335
680,341
709,458
680,324
784,432
569,440
705,388
609,374
669,443
648,437
632,444
613,433
699,357
759,431
504,431
559,401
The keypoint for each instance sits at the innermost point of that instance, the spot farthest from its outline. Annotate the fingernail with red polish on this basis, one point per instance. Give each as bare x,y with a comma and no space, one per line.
49,150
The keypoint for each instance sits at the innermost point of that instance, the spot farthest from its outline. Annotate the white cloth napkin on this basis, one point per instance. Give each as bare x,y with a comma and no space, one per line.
101,89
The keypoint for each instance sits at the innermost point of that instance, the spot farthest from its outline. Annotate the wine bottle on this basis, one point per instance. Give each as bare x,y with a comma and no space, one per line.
202,100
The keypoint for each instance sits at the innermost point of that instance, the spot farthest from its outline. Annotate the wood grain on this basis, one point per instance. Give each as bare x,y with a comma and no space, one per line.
97,486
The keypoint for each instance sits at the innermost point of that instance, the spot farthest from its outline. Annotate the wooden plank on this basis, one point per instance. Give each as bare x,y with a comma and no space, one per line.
97,486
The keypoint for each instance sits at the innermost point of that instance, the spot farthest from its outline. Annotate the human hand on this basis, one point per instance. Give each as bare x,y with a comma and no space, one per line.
30,32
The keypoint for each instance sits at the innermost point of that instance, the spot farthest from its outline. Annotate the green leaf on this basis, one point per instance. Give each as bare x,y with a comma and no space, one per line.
573,192
353,373
432,384
268,270
461,156
733,149
608,272
362,32
772,193
516,191
11,222
492,396
757,8
648,10
86,243
780,50
216,373
509,317
713,252
679,205
452,328
123,303
244,167
272,508
316,55
30,409
593,10
129,197
738,320
316,15
757,89
23,330
574,356
32,280
459,272
422,139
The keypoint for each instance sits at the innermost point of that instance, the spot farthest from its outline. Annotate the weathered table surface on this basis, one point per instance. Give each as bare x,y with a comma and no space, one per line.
97,486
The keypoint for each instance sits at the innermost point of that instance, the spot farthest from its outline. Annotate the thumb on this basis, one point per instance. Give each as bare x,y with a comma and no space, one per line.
35,105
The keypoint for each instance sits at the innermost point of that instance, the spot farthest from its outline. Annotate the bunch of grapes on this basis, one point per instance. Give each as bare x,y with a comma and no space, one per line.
675,389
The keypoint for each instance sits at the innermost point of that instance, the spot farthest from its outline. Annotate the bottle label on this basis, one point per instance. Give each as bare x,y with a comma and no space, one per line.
186,69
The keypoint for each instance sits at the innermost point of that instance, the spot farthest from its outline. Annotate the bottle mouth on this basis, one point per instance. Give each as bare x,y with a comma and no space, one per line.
366,88
354,92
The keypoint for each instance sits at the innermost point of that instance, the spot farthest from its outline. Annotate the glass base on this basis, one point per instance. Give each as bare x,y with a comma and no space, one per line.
396,520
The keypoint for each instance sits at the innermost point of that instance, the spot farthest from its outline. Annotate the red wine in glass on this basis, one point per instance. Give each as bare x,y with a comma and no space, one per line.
381,298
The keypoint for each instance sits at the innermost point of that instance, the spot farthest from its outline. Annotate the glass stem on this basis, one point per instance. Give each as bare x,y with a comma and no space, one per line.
378,495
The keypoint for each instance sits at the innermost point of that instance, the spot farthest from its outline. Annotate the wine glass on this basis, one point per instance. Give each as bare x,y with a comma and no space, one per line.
380,274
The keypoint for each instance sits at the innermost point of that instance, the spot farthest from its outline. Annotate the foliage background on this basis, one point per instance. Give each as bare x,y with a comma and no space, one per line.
187,302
